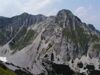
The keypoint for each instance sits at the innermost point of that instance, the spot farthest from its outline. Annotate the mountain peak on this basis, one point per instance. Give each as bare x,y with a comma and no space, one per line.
64,12
25,13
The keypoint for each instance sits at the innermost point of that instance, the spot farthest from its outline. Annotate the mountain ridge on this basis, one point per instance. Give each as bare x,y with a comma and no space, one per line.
46,43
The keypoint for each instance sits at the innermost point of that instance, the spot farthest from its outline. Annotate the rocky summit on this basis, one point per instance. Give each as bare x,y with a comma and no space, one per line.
49,45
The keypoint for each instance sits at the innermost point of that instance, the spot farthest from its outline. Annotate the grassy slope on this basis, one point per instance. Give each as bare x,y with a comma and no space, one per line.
5,71
22,39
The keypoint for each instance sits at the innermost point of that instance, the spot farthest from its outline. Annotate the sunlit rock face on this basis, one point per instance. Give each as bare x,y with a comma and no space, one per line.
55,45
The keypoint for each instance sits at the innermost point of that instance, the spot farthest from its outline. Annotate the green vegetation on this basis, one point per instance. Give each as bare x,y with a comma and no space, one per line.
1,34
6,34
5,71
83,37
15,42
23,39
77,36
29,36
20,72
4,37
69,34
95,38
96,46
1,37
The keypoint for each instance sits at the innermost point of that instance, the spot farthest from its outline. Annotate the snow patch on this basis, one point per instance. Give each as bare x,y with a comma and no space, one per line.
4,59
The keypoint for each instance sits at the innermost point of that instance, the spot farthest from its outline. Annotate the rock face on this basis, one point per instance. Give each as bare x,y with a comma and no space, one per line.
10,26
55,45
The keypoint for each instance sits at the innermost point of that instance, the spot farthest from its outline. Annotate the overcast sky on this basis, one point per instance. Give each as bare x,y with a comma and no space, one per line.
87,10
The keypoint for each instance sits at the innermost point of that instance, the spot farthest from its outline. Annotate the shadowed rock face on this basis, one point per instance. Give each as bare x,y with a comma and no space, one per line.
20,72
57,69
90,67
62,69
80,65
91,26
94,72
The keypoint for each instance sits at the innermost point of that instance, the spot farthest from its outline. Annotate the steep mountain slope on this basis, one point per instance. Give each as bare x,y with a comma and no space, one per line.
9,27
55,45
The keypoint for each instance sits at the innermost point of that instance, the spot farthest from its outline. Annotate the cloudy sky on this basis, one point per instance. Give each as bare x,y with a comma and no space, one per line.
87,10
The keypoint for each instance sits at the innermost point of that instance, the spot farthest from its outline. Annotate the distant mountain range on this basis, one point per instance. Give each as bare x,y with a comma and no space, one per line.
54,45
